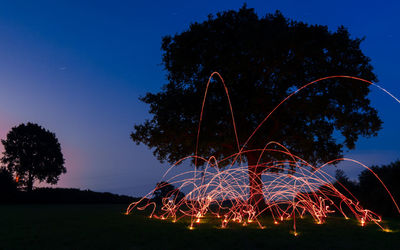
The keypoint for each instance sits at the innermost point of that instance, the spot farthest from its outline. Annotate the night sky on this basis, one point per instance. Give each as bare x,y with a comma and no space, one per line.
78,68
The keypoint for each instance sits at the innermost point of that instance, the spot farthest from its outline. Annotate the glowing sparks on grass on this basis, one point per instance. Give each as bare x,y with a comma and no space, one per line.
224,192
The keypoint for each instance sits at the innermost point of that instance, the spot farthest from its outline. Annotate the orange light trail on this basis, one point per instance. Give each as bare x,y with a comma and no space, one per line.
224,193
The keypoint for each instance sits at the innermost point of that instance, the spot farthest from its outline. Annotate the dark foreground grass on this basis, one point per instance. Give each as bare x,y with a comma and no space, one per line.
106,227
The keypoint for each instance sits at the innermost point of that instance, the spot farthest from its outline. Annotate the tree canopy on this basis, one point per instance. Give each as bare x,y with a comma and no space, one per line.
262,60
33,153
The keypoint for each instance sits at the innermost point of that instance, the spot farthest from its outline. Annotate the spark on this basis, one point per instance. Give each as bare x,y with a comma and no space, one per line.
387,230
295,233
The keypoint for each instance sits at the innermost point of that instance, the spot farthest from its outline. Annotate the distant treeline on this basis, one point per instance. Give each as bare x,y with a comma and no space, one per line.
63,196
369,190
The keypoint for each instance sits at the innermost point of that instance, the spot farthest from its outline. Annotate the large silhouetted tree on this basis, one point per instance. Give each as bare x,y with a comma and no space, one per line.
33,153
262,61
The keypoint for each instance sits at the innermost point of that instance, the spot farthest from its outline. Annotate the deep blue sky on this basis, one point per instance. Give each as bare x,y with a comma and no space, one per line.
78,68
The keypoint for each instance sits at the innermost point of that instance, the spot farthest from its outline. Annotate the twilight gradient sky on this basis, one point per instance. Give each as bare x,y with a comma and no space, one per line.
78,68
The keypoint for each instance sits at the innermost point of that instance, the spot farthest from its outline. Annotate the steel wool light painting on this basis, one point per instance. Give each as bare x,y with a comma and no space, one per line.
224,193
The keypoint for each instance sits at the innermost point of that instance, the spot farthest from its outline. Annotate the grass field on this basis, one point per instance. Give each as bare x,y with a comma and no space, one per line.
106,227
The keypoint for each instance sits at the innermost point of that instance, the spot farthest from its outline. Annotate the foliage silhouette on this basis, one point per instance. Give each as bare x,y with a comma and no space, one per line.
262,61
373,195
33,153
8,186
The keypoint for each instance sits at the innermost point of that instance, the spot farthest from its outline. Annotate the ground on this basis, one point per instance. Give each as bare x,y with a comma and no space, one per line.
106,227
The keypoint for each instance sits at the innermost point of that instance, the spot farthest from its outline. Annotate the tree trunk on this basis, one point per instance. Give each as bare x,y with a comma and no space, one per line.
256,198
29,184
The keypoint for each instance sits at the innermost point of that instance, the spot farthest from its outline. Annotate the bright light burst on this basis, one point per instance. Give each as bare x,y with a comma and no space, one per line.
224,192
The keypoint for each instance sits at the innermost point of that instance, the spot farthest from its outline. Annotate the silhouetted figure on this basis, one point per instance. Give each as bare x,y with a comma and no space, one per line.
33,153
262,61
346,185
166,190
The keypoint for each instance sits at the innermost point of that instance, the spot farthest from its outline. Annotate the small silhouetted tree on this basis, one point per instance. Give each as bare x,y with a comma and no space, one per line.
262,60
33,153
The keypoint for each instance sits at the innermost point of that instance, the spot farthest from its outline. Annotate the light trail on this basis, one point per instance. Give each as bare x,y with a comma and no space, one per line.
224,192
